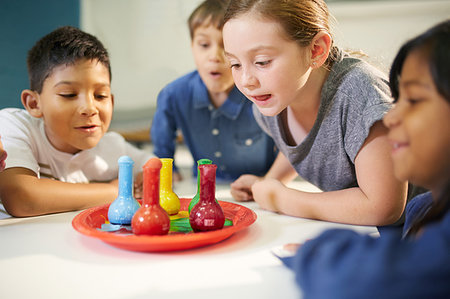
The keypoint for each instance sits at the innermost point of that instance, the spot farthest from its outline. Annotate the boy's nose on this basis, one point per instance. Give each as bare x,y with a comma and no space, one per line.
217,54
88,107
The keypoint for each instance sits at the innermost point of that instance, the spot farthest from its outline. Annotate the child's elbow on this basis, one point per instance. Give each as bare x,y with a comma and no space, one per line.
389,214
16,203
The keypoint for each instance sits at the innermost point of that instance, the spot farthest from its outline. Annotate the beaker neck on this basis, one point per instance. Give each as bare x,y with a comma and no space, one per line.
150,192
207,182
125,180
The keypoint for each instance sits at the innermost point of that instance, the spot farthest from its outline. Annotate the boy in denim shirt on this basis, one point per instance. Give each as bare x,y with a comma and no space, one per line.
215,118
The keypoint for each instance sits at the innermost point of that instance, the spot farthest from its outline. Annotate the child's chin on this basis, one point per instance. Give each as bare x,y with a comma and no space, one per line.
268,112
88,144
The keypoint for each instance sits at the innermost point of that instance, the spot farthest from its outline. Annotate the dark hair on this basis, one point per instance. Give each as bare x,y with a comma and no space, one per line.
300,19
211,11
63,46
434,45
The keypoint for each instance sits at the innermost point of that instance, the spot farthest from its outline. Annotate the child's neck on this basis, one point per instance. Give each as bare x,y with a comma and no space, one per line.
306,107
218,98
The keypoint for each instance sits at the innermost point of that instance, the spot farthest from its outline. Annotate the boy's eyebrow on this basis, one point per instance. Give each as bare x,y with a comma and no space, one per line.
201,34
71,82
62,83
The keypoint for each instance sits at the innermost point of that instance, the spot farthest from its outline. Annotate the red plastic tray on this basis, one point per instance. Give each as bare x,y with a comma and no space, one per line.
88,222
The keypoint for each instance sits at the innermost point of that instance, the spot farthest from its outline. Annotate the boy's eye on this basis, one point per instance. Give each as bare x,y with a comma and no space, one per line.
67,95
101,96
203,44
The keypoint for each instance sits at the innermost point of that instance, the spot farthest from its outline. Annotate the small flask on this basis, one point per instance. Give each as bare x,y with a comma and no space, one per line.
168,200
125,205
207,214
196,197
150,218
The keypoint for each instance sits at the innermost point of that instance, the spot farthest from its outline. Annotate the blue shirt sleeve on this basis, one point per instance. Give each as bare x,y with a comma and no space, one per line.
163,130
344,264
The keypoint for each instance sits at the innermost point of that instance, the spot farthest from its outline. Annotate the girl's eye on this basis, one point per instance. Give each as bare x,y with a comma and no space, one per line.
413,101
263,63
235,65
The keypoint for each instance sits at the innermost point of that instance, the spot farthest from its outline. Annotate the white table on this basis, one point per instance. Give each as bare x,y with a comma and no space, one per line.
44,257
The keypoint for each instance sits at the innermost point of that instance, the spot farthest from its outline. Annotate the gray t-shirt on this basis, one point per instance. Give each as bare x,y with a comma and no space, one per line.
354,96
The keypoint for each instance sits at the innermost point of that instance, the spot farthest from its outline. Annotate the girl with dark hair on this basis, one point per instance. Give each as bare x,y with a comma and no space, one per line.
343,264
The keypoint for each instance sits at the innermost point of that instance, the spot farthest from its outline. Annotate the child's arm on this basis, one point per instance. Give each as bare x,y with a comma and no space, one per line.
2,157
163,130
379,199
281,169
23,194
344,264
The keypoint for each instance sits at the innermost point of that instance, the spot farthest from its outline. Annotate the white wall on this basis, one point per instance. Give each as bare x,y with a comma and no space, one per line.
149,42
379,28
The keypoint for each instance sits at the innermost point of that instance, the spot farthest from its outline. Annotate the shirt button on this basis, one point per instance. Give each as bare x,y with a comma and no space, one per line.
215,132
210,107
218,154
248,142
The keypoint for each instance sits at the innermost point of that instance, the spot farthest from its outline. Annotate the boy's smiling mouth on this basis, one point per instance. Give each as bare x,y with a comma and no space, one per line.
87,128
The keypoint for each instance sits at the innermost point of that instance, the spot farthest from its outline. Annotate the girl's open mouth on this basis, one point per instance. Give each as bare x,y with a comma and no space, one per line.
262,98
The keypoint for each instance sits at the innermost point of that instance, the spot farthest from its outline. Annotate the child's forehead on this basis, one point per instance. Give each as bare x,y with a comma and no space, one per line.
79,72
205,26
79,65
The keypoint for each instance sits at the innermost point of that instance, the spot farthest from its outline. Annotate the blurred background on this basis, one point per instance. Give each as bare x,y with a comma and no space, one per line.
149,44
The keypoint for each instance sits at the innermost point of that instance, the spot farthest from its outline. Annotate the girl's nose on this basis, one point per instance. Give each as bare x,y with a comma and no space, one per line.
248,80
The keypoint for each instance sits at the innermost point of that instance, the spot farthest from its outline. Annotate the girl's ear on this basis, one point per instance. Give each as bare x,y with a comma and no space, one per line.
31,102
320,49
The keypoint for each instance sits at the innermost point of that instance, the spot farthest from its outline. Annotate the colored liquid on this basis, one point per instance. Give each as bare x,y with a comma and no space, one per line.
168,200
207,214
151,218
125,205
196,197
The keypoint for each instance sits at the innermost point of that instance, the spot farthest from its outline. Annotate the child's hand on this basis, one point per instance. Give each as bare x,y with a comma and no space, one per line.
267,194
2,157
138,185
286,250
241,189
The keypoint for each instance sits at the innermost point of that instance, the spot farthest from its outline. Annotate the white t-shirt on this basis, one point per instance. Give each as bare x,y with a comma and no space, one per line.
27,146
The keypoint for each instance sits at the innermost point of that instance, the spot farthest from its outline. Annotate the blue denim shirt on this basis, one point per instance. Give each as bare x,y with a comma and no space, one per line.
228,135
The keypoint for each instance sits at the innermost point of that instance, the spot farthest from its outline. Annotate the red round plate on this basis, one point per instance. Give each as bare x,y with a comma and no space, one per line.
89,221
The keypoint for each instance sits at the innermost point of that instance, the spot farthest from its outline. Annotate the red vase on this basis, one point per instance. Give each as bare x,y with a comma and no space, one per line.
207,214
151,218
